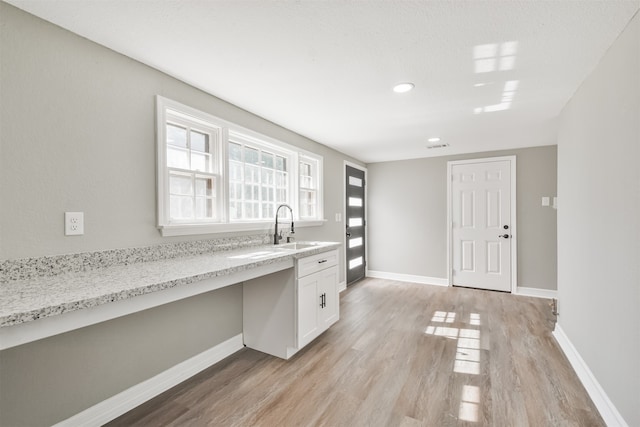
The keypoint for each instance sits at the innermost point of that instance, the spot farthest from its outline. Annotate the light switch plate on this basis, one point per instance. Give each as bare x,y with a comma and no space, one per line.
555,203
545,201
73,223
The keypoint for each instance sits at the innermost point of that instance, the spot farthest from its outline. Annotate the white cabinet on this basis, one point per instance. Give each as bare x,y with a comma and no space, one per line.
318,305
285,311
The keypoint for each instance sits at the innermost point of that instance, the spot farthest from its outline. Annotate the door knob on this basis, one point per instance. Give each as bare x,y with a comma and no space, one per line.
504,236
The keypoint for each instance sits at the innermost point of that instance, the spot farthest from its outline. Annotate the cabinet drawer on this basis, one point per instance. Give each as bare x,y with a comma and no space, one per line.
311,264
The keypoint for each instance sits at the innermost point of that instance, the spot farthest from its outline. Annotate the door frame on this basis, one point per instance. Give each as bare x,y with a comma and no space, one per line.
344,220
513,225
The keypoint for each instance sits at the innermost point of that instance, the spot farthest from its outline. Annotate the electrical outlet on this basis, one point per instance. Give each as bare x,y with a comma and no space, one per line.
545,201
73,223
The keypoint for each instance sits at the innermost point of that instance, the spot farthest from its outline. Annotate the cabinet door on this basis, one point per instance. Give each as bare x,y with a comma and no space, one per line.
308,306
328,291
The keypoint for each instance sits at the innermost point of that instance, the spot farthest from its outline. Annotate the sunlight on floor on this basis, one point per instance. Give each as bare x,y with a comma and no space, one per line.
468,347
469,403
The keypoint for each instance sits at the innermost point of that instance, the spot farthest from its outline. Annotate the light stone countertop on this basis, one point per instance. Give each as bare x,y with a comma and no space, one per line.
23,301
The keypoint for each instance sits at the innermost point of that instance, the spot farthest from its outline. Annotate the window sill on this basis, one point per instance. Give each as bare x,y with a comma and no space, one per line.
193,229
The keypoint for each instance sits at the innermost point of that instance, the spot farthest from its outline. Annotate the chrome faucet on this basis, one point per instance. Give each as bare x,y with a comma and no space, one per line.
276,236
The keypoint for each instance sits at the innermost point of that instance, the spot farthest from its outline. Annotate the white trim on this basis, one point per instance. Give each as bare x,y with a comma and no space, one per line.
342,286
607,409
111,408
344,215
513,231
536,292
22,333
424,280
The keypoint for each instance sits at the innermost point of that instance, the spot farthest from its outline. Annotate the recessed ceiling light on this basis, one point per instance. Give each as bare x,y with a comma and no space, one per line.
403,87
434,139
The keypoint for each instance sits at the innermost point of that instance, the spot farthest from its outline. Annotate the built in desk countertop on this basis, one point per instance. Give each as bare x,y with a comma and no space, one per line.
25,301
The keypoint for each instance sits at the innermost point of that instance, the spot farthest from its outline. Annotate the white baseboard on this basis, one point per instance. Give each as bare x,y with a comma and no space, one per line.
536,292
437,281
132,397
342,286
606,408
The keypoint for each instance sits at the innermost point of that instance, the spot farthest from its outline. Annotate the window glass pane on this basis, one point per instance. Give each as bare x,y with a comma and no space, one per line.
356,182
181,207
281,179
267,176
204,207
355,263
305,169
281,196
355,222
281,163
199,141
177,157
235,171
267,160
252,174
235,151
250,210
180,184
204,187
267,194
200,162
354,243
251,156
306,182
176,136
235,210
355,201
268,210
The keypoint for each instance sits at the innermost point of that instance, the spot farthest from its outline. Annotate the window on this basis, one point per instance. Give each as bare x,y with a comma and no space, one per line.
215,176
192,165
189,170
259,179
309,176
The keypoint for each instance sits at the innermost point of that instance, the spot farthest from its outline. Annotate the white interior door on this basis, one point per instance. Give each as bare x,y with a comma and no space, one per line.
481,224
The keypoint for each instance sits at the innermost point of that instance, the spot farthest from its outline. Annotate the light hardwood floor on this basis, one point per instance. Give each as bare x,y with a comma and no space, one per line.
401,355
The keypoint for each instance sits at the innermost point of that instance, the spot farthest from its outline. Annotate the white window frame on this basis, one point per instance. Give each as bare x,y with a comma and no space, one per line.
228,131
316,162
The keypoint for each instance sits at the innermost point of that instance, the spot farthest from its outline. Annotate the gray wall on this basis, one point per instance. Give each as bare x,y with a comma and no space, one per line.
77,133
52,379
408,215
599,222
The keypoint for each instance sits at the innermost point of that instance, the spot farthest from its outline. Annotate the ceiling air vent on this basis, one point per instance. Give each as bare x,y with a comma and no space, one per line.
437,146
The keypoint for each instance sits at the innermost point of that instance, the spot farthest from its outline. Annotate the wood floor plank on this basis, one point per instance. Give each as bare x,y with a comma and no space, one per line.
401,355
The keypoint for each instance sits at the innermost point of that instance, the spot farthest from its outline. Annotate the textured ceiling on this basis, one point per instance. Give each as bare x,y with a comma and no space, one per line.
488,74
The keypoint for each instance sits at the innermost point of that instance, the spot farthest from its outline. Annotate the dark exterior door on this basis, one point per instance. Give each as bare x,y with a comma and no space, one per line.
355,224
